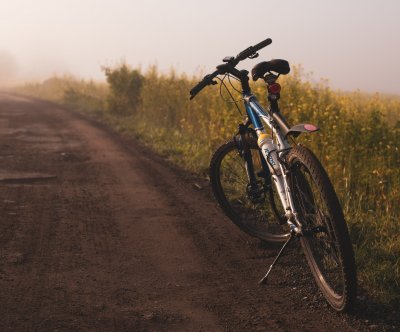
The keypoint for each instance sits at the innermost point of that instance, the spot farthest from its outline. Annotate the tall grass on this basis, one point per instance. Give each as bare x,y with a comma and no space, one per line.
358,144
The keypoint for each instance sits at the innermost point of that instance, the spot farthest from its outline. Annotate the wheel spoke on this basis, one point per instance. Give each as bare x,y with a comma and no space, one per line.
251,208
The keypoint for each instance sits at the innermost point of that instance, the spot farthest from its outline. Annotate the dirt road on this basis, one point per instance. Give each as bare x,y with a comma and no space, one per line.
97,233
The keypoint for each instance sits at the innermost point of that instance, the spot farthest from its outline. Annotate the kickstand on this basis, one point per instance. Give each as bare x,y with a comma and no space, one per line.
264,279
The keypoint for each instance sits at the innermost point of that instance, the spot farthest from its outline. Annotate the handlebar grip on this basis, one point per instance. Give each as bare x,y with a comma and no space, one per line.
197,88
207,80
252,50
262,44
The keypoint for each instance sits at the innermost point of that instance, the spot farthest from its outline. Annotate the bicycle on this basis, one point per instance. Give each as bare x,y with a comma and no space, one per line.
256,167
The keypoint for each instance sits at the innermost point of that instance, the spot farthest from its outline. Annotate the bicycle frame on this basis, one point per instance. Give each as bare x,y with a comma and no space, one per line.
257,116
272,119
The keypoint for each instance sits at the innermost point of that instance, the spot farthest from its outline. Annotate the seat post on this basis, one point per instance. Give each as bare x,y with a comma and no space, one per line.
273,102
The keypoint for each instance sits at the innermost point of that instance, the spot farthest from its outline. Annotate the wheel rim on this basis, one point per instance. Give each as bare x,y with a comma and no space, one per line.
257,217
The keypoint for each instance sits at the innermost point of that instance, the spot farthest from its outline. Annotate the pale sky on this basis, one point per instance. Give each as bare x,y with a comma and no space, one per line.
355,44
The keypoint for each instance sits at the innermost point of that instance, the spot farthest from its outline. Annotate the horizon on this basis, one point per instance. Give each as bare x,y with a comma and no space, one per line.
339,42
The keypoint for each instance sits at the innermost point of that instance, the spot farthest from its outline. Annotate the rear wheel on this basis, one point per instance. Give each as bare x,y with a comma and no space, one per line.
258,211
326,242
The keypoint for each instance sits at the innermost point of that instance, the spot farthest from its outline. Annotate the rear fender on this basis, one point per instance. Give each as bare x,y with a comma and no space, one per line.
302,128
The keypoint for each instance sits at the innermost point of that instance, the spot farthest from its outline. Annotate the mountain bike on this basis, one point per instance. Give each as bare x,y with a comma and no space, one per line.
277,190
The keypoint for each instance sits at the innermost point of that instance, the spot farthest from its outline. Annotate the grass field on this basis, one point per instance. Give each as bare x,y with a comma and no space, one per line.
358,144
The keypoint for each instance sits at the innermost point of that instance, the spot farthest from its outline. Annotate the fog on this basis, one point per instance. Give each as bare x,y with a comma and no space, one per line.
13,72
8,68
354,44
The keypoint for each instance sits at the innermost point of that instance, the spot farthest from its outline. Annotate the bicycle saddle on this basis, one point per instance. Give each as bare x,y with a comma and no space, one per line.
276,65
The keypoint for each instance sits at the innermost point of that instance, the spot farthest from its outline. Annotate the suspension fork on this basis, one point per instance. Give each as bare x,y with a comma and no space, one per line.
282,184
291,213
244,150
245,142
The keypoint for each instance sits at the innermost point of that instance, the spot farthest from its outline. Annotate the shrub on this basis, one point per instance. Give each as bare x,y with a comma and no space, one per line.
125,86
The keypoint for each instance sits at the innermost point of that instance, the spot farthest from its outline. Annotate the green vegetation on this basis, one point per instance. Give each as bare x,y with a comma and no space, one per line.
358,144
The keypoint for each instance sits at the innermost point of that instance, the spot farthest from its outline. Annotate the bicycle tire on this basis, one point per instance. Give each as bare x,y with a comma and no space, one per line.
228,181
327,248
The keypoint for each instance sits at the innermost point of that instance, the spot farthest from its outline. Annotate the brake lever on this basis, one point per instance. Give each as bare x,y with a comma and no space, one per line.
253,56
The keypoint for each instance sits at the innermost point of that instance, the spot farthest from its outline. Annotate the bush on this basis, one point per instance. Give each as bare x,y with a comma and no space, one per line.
125,86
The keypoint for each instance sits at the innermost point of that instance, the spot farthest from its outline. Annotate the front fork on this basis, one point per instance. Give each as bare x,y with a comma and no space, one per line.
281,181
285,194
245,140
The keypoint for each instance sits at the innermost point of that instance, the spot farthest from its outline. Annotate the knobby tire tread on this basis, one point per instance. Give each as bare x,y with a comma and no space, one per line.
323,183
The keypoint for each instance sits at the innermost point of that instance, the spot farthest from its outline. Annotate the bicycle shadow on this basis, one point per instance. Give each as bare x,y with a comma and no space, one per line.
376,315
368,313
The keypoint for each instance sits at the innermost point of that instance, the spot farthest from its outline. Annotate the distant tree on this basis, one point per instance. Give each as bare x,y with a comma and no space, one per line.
125,86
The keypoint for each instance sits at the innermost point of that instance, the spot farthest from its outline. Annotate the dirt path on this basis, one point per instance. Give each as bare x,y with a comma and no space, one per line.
96,233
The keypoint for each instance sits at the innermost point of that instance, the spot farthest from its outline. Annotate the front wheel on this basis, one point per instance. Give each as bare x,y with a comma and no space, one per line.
326,242
258,211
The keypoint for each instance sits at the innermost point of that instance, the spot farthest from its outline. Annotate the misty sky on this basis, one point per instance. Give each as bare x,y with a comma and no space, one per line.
355,44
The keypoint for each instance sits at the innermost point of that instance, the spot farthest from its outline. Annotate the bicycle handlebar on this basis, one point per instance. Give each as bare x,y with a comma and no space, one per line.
207,80
253,50
222,69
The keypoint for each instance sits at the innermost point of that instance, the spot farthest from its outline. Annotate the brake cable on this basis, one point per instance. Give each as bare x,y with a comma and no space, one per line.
233,101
